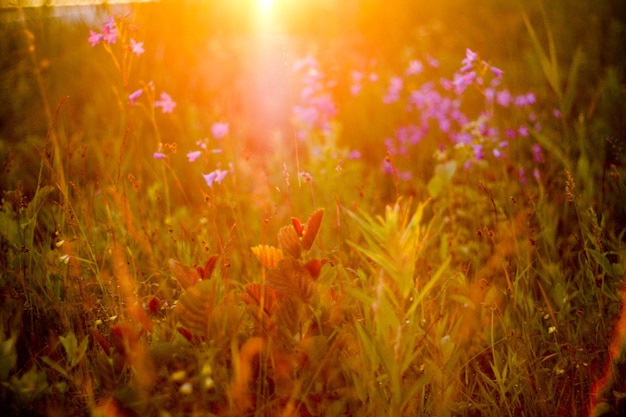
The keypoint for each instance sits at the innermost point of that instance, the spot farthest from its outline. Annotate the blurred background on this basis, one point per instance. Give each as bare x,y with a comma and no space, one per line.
232,60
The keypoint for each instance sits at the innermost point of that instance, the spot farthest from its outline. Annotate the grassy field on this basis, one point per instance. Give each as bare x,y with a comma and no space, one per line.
355,208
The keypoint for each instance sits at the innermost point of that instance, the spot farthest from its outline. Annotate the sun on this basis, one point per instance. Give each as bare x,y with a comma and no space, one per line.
265,5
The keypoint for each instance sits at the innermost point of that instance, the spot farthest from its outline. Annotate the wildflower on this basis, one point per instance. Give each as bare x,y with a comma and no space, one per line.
192,156
510,133
468,62
387,167
216,176
94,38
497,72
219,130
373,77
524,100
202,143
136,47
357,76
432,62
393,92
523,131
503,98
463,80
354,154
537,153
166,103
159,155
415,67
109,31
134,96
556,113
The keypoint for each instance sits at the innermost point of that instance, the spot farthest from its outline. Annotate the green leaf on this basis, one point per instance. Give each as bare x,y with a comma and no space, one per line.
55,365
442,178
8,358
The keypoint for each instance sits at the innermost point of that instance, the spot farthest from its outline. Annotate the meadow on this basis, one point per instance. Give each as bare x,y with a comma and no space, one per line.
313,208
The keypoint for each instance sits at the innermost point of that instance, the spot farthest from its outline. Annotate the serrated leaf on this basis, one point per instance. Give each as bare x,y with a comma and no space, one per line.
289,241
186,276
195,306
291,279
207,271
269,256
257,295
297,226
312,228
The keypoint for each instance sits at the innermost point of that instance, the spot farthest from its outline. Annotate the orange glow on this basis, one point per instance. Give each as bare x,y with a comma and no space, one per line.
265,5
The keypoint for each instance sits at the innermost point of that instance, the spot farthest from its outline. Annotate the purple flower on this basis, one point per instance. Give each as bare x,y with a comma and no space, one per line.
556,113
214,177
387,167
136,47
166,103
524,100
159,155
503,98
94,38
393,92
468,62
354,154
537,153
192,156
510,133
523,131
432,62
219,130
497,72
415,67
463,80
109,31
134,96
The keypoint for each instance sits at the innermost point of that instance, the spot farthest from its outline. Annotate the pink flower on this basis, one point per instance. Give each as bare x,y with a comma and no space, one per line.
192,156
354,154
134,96
136,47
432,62
166,103
159,155
216,176
537,153
503,98
523,131
109,31
94,38
219,130
497,72
415,67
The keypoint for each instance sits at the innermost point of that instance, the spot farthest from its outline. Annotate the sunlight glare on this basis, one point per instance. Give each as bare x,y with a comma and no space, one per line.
265,5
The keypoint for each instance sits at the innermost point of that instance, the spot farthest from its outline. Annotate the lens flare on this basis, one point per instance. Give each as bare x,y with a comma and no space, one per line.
265,5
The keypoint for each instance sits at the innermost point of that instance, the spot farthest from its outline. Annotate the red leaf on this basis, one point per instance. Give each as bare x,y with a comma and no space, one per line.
186,333
298,226
205,273
312,228
154,304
